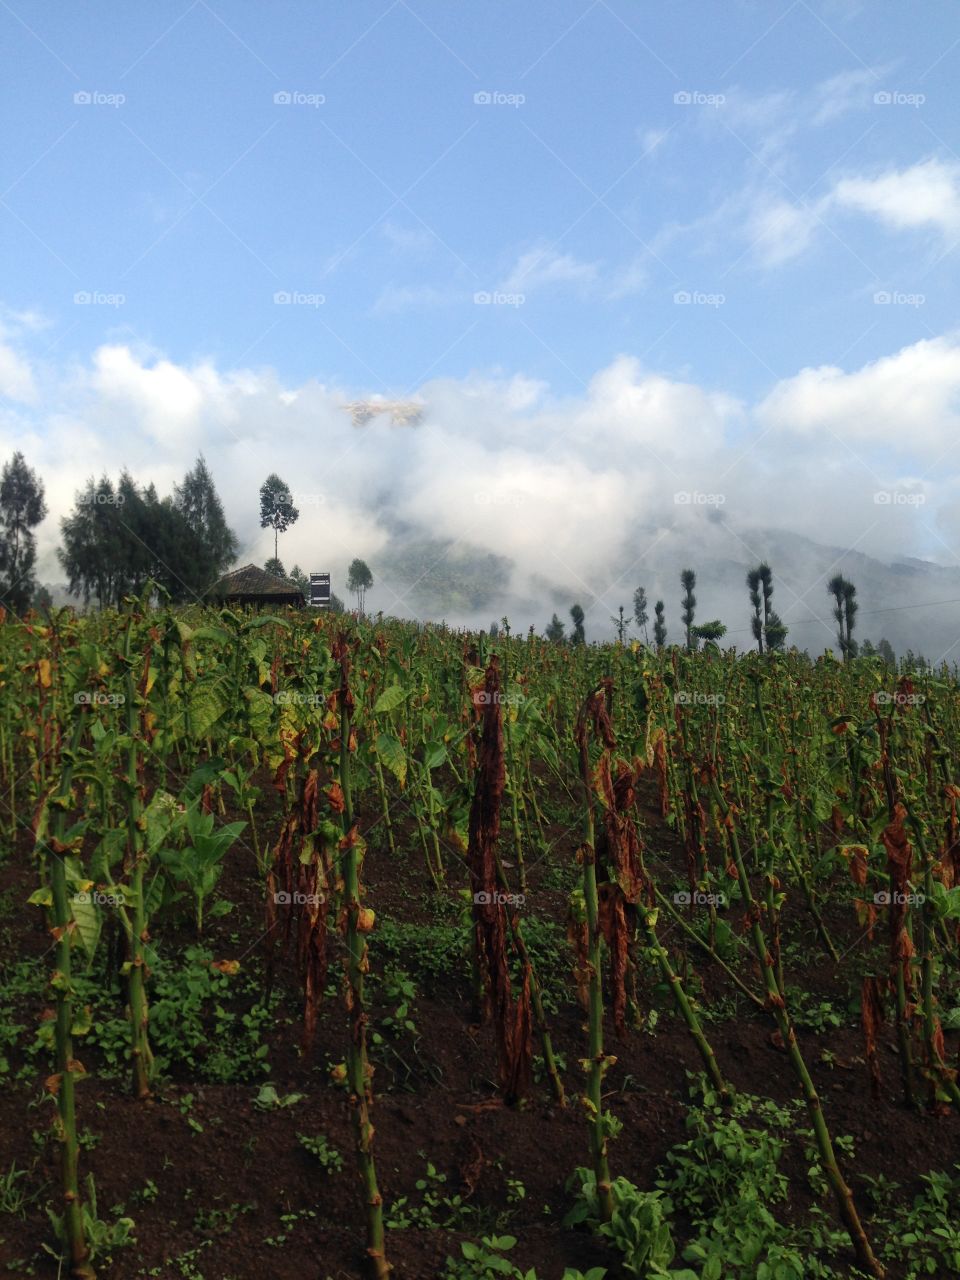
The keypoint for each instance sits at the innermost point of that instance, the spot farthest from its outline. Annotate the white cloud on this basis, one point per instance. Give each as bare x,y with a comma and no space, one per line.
848,91
571,489
16,376
543,266
924,196
908,401
780,231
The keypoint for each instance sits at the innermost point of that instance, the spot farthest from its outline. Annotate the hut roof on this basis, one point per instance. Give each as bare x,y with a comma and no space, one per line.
254,581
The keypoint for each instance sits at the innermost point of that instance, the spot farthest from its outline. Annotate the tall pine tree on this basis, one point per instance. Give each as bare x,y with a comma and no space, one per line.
22,507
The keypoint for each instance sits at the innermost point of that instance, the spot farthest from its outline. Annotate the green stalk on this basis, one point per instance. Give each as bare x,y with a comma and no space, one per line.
687,1011
704,945
67,1066
359,1073
775,1003
936,1066
597,1063
136,927
382,788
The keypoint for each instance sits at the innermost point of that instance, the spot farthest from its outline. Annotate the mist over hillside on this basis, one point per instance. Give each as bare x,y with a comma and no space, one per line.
465,585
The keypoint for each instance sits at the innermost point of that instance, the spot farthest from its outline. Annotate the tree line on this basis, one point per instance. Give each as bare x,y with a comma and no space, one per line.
118,538
767,627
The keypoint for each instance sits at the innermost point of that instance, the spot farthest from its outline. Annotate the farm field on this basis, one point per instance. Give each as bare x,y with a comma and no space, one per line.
333,947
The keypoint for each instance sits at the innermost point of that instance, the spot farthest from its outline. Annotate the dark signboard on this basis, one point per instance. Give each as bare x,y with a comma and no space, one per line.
320,590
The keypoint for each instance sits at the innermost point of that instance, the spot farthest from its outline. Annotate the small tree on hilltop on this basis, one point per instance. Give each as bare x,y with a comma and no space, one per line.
277,511
710,631
620,622
22,507
688,580
756,621
359,580
659,625
555,630
577,636
844,611
640,614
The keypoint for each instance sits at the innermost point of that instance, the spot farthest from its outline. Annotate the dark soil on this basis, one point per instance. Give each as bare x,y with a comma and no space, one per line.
225,1172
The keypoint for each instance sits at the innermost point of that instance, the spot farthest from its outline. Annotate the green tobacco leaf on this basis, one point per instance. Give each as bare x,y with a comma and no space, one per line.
88,925
391,752
208,700
391,698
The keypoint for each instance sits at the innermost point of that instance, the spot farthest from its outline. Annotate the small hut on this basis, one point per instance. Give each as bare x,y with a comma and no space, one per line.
254,586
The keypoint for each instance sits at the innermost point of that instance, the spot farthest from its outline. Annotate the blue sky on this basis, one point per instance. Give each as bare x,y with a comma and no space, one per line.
597,198
617,251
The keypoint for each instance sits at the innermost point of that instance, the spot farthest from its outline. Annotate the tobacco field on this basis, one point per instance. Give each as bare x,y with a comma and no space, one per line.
332,947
